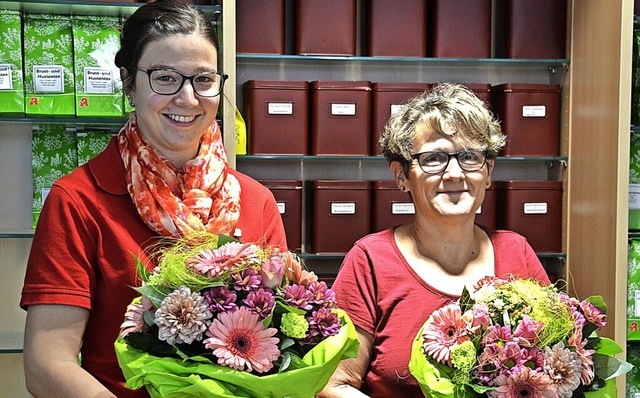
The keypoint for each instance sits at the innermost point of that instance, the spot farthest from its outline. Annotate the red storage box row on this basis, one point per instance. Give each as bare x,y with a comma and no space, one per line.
346,117
417,28
340,212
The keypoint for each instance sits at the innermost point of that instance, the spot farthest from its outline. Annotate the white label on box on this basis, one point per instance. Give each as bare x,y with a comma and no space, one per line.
634,196
280,108
534,111
535,208
98,80
637,309
5,77
282,207
395,108
343,109
403,208
48,79
343,208
44,192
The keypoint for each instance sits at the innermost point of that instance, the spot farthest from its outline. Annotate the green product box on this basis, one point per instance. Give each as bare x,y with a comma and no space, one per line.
633,290
11,78
48,64
635,79
633,377
54,155
98,86
90,143
634,183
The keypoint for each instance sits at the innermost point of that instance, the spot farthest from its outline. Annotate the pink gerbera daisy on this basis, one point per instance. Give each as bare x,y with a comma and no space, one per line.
239,340
134,317
215,262
525,383
444,330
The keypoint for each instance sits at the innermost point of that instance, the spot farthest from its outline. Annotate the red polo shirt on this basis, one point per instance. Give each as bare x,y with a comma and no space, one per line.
84,246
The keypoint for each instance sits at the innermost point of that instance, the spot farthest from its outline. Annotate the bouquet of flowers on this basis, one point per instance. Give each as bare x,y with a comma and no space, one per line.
222,318
511,337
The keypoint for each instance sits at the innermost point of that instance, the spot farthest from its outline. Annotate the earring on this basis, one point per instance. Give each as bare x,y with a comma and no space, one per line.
130,100
402,188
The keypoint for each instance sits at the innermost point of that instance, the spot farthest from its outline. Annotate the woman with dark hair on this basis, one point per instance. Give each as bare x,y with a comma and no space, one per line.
164,175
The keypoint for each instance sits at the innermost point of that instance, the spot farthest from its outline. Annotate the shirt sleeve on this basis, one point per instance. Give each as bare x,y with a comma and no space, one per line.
534,266
274,228
355,289
59,269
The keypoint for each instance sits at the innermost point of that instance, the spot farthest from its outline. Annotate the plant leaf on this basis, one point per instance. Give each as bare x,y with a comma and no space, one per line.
155,294
607,367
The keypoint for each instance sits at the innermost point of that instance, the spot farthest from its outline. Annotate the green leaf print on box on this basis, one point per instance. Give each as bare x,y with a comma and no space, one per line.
634,183
54,155
90,143
633,290
633,377
11,78
98,85
48,55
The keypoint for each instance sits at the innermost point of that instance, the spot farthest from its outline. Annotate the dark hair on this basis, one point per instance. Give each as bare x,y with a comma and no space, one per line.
154,21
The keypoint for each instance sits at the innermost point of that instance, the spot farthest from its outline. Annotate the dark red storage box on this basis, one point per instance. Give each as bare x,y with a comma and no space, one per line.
397,30
386,99
486,214
459,29
530,115
341,214
531,29
288,194
277,116
390,206
260,26
325,27
340,118
534,210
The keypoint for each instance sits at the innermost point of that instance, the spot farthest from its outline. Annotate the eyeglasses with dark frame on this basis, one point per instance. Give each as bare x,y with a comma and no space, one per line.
168,81
436,162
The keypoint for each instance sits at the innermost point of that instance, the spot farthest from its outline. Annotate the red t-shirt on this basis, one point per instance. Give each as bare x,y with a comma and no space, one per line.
384,296
84,246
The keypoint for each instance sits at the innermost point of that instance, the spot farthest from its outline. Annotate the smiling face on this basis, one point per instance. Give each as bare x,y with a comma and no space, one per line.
452,193
174,124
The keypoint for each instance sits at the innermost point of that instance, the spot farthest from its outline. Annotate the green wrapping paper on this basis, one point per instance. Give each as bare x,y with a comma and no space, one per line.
166,377
11,78
48,64
98,87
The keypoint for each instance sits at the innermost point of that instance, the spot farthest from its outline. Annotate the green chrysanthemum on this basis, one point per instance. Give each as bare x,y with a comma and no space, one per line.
542,304
294,325
463,356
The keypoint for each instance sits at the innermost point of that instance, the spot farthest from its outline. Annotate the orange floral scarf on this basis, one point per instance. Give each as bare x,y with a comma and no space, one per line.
200,196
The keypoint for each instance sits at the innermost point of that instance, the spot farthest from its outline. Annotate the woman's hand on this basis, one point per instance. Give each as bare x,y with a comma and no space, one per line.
347,379
52,340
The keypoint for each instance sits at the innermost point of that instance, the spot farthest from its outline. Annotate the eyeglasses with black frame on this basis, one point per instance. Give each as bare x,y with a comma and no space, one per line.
435,162
168,81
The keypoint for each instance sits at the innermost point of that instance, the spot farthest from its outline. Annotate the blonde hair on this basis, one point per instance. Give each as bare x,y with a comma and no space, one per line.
445,105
